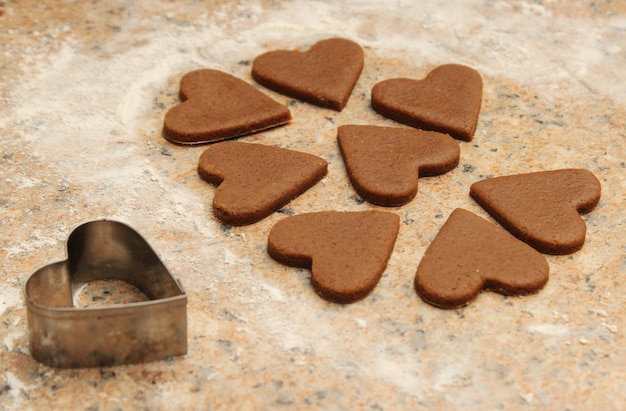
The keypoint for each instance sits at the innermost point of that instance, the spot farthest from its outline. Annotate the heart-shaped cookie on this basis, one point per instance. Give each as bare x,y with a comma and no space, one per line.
254,180
217,106
65,336
468,255
324,75
347,252
448,100
542,208
384,163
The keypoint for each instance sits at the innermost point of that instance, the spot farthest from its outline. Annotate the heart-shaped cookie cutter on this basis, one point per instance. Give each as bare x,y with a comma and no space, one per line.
64,336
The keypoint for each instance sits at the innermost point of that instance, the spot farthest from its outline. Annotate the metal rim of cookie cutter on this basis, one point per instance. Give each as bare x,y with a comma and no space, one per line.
64,336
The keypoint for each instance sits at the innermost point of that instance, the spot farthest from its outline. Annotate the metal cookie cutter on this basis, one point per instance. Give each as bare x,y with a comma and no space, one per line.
64,336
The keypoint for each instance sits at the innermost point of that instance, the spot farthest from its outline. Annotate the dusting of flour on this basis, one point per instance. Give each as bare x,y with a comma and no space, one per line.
74,104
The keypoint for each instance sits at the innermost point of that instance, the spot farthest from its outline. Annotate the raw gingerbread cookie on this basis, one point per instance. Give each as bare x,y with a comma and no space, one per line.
347,252
324,75
468,255
543,208
217,106
384,163
255,180
448,100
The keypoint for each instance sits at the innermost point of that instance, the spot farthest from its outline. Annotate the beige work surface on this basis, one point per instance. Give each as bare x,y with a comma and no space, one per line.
84,86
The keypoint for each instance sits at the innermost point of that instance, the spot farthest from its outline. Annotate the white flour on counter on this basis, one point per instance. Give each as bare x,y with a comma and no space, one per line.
89,120
72,94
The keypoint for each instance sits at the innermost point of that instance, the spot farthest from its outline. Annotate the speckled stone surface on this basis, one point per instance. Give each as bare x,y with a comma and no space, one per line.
84,87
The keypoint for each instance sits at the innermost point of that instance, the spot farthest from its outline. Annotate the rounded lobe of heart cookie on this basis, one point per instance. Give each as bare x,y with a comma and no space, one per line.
254,180
324,75
542,208
217,106
384,163
470,254
347,252
448,100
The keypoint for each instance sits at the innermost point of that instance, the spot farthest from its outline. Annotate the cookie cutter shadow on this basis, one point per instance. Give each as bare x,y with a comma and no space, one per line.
65,336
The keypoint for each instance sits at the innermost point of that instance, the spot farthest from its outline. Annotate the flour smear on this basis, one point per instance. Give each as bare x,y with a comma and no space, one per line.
73,93
71,102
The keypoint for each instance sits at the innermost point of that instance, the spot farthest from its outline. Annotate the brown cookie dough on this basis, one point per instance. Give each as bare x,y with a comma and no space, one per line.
347,252
255,180
543,208
217,106
324,75
384,163
448,100
470,254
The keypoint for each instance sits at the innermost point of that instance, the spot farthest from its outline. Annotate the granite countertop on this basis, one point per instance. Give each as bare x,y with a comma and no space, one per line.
84,87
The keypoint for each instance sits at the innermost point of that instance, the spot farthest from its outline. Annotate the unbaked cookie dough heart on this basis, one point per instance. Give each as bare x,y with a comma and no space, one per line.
448,100
217,106
542,208
324,75
347,252
254,180
384,163
468,255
